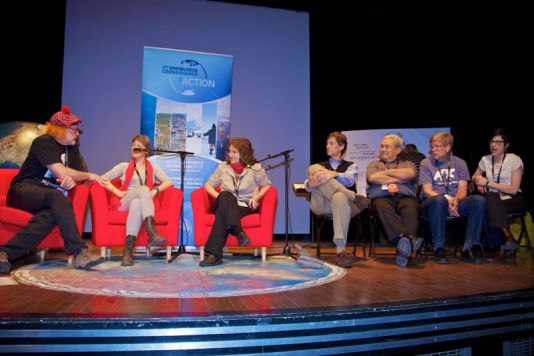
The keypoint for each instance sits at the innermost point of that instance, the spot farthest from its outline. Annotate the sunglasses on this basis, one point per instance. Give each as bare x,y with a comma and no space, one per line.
139,149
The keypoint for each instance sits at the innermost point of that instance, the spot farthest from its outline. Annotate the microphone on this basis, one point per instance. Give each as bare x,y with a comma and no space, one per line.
281,153
157,151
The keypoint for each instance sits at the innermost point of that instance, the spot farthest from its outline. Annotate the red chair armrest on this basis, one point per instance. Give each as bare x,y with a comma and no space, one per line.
171,199
100,204
201,203
268,207
79,196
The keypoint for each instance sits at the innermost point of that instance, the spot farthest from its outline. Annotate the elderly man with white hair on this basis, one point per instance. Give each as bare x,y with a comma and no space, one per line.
392,191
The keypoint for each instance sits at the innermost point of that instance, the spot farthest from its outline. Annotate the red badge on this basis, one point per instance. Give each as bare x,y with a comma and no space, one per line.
393,188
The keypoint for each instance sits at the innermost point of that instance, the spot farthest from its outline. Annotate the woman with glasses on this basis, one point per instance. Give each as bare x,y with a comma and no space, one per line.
136,194
498,176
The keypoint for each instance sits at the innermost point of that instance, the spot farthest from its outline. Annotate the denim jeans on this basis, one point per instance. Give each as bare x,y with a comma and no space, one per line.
436,209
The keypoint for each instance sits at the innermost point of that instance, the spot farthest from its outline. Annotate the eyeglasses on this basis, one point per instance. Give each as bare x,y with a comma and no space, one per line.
139,149
75,129
437,145
496,142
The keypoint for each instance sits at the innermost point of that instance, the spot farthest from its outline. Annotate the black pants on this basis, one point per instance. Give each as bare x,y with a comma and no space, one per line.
397,214
498,209
50,208
227,220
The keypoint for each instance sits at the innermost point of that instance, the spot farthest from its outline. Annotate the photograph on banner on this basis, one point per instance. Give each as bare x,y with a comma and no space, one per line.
185,110
363,146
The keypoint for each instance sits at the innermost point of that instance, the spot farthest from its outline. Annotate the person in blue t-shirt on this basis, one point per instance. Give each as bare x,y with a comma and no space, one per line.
444,178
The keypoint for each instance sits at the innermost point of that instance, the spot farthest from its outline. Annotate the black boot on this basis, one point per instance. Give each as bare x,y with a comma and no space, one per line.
242,239
127,254
154,239
5,266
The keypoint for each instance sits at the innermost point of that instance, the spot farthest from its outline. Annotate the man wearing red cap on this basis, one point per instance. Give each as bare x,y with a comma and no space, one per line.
53,166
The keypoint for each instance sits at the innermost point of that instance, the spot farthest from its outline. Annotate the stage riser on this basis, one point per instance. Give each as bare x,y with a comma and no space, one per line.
377,329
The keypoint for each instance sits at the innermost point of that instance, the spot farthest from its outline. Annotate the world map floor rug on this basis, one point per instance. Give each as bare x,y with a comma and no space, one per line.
183,278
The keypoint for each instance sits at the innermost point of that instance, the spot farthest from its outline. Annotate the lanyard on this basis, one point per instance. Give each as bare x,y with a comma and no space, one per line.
140,180
66,156
498,180
446,182
236,186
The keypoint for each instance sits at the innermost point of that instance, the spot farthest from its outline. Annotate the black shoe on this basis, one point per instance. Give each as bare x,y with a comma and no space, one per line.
343,260
361,202
440,256
5,266
242,239
210,261
416,242
85,259
404,250
472,255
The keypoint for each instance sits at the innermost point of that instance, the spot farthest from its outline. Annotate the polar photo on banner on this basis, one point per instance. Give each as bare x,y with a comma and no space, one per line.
363,146
185,107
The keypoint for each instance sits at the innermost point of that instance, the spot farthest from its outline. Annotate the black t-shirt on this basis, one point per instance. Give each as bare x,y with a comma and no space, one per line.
46,150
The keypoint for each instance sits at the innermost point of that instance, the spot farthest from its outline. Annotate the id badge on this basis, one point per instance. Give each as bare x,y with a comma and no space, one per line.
242,203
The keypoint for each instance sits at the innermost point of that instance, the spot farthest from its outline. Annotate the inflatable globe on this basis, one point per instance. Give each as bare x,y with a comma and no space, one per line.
15,140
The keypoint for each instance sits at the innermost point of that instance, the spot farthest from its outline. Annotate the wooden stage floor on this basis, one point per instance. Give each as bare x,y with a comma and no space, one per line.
374,281
376,308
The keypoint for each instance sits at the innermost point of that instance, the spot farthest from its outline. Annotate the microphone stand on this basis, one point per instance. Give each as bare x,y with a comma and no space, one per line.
183,154
286,186
286,162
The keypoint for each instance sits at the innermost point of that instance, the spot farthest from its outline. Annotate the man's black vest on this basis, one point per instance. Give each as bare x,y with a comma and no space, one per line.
341,168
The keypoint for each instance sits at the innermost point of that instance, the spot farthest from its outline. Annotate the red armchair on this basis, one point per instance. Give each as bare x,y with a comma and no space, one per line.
109,226
12,220
258,226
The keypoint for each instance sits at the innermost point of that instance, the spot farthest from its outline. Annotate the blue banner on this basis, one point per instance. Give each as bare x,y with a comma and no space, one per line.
185,106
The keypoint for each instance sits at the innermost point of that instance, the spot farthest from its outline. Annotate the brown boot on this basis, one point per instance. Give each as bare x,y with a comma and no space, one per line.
154,239
127,254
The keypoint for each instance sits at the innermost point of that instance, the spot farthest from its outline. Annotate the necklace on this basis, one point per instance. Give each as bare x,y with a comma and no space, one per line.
498,180
446,182
139,175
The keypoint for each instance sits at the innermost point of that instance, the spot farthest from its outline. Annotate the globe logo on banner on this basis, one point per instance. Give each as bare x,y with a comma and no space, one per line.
188,77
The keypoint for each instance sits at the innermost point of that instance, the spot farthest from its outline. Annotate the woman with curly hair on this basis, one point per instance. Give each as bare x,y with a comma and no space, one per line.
242,184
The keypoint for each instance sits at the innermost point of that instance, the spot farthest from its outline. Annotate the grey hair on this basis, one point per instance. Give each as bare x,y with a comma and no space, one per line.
397,140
